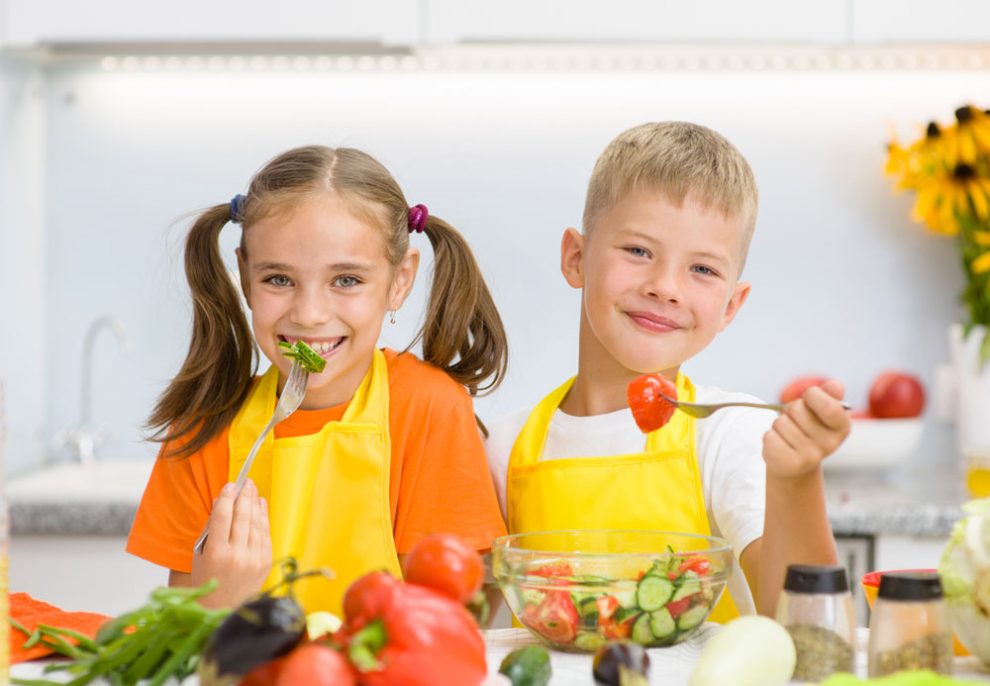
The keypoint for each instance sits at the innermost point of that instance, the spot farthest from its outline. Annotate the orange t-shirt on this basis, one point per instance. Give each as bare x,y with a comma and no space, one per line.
439,480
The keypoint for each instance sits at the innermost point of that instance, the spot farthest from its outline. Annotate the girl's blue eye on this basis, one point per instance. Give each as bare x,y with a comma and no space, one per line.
279,280
347,281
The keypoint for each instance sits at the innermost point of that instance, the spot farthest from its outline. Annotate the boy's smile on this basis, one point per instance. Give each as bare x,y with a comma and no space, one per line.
659,282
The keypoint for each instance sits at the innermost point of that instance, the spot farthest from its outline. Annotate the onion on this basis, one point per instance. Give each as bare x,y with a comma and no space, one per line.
748,651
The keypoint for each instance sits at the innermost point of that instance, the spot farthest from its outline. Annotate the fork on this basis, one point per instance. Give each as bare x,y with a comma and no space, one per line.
702,410
288,402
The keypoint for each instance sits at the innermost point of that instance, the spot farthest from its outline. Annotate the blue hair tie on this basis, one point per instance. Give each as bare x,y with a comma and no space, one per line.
236,205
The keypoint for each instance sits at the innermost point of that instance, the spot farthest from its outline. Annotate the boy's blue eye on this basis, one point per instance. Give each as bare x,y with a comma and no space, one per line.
346,281
637,251
707,271
278,280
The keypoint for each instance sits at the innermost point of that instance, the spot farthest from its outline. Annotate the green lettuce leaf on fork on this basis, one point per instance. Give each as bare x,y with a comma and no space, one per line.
308,358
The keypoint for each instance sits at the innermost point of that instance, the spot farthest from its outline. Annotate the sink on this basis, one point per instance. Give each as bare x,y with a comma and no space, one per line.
107,482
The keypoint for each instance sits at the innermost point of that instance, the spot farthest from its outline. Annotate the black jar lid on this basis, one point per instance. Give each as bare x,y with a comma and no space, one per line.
816,579
910,586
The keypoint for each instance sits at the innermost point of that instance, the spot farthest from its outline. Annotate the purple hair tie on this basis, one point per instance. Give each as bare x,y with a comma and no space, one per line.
418,214
236,205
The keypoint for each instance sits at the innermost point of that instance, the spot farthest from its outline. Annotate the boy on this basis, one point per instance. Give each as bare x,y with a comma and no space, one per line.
668,218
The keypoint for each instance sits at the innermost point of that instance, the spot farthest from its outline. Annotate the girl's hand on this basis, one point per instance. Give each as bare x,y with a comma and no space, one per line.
238,550
807,431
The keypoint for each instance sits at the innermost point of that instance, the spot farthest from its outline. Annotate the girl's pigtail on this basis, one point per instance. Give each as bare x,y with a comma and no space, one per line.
462,332
216,375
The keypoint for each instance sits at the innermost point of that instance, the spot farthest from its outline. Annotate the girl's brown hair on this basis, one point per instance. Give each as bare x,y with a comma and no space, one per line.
461,334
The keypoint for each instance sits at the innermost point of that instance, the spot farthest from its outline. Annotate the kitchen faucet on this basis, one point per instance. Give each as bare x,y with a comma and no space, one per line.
83,439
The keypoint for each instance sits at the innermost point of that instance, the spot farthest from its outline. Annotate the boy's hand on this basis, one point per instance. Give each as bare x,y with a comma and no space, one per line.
238,550
807,431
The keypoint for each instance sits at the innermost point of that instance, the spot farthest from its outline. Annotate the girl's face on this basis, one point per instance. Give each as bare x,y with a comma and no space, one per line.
319,273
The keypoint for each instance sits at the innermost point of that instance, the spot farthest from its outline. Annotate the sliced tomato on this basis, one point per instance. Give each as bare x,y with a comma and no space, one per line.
557,618
647,396
555,569
606,605
679,607
614,630
698,565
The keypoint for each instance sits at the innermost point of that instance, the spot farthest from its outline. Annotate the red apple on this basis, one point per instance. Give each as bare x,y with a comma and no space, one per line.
896,395
796,388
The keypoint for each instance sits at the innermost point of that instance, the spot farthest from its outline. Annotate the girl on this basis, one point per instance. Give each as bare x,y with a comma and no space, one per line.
384,448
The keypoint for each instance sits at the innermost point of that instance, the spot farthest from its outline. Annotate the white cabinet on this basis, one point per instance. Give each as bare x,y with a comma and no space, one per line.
30,23
82,573
920,21
460,21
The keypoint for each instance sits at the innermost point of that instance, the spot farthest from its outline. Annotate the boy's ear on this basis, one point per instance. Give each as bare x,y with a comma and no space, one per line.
571,256
242,271
403,277
739,295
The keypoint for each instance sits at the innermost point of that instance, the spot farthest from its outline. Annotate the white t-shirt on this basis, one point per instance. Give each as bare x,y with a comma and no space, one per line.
730,459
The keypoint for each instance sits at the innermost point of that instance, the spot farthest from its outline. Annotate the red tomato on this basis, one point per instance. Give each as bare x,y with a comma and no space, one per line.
315,664
265,675
679,607
698,565
796,388
606,606
646,397
553,570
556,617
445,563
367,594
614,631
896,395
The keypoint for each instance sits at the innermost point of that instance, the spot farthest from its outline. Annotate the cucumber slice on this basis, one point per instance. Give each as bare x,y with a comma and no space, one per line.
641,631
692,617
653,592
689,587
589,642
662,624
624,613
626,597
308,358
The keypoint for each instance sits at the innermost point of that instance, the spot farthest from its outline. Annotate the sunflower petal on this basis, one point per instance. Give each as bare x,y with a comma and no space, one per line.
981,264
981,238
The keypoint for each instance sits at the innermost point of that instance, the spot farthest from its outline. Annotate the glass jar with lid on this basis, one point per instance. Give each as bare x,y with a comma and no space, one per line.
816,608
909,626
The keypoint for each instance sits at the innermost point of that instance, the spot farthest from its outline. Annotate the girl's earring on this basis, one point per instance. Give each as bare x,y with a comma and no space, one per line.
391,316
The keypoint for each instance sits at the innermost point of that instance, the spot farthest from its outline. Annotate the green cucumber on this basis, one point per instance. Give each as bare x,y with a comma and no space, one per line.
687,587
653,592
307,357
641,631
588,610
662,624
692,618
589,641
529,666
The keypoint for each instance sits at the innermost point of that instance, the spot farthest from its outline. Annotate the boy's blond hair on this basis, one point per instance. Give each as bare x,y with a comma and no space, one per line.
676,159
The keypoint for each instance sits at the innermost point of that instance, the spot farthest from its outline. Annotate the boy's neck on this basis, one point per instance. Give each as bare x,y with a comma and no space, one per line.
600,385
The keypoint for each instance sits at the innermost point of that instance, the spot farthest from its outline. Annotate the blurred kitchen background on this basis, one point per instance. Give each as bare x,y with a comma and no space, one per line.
118,120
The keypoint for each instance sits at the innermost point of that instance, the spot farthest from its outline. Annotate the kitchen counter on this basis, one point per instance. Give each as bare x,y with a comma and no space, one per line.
69,499
668,666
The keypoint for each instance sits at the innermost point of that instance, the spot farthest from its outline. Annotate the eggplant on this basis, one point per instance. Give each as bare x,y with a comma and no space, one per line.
622,663
257,632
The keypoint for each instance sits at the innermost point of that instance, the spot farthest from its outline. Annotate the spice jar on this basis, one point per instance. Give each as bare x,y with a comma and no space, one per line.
816,608
909,627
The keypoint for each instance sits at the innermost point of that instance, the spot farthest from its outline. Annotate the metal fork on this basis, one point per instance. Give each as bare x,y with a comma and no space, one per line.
290,400
702,410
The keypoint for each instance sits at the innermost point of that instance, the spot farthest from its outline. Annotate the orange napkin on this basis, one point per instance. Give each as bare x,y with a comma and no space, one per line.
31,613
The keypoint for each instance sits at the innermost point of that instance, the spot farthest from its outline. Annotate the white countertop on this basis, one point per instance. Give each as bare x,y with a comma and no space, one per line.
668,666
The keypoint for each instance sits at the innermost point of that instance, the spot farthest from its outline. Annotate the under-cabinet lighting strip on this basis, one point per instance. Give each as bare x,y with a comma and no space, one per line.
590,59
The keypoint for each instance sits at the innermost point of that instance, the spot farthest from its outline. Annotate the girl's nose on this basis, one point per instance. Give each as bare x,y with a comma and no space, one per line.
310,308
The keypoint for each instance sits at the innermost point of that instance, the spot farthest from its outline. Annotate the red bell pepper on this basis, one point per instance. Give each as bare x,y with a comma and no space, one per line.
410,635
648,399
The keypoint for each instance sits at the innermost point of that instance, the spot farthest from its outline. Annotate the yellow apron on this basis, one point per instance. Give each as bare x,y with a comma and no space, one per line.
656,489
328,492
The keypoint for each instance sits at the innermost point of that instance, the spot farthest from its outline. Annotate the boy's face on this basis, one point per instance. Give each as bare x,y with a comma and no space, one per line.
659,282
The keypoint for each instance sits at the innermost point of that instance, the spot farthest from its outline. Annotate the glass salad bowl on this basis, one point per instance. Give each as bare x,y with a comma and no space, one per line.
575,590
